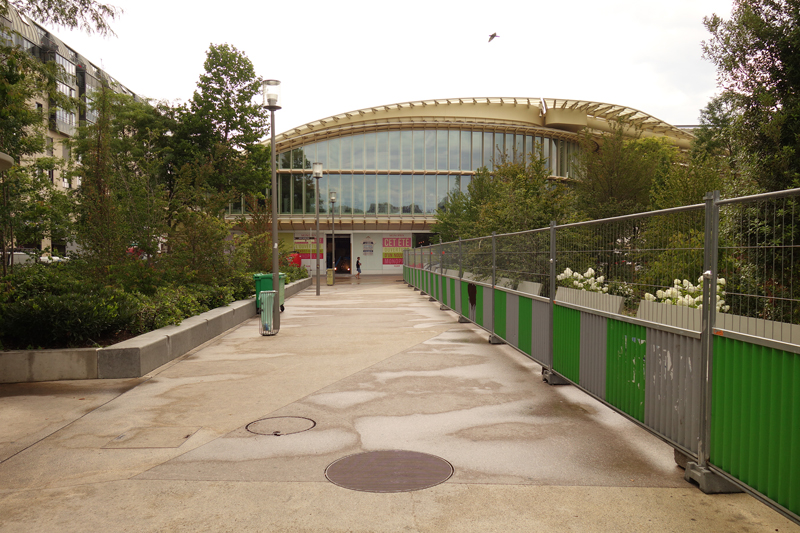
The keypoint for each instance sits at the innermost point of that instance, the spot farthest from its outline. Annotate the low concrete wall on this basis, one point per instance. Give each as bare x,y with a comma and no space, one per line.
138,356
48,365
132,358
293,288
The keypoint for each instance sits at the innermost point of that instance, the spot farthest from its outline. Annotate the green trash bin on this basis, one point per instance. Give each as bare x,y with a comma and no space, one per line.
264,283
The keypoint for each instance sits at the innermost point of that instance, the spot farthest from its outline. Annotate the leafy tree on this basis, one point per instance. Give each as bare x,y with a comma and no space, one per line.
757,55
616,173
30,207
513,197
122,199
87,15
224,123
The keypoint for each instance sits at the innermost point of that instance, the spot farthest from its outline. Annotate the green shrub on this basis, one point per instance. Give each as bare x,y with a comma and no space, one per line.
75,319
294,273
31,281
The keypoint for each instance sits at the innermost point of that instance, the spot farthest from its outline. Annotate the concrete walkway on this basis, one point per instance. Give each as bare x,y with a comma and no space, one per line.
376,366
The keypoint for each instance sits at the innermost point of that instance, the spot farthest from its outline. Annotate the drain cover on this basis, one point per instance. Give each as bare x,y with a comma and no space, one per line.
389,471
280,425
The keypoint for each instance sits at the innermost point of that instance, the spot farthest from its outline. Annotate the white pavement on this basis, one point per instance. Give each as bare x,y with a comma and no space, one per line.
376,366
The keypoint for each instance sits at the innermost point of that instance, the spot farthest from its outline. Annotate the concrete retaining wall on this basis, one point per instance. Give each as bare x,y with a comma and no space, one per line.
132,358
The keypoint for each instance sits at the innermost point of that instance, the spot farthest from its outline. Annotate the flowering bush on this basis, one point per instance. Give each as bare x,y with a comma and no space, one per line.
583,282
685,294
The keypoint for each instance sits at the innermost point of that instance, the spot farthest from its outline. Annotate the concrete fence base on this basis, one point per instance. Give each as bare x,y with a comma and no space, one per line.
134,357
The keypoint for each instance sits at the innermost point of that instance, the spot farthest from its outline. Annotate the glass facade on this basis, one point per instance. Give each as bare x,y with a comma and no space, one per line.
403,172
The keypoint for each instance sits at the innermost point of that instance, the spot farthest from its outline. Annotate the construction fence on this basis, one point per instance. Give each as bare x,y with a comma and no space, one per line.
686,320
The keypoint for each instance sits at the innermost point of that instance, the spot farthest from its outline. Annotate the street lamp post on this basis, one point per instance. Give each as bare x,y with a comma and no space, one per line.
317,173
333,234
272,101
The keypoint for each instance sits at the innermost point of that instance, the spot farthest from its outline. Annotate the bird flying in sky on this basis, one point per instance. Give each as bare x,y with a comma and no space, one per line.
492,36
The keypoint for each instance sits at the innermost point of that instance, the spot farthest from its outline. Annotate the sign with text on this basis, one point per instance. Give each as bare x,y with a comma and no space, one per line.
393,249
306,246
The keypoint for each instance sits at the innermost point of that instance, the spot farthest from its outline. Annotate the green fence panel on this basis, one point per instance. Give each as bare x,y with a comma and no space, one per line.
567,342
500,313
452,294
626,349
525,321
755,418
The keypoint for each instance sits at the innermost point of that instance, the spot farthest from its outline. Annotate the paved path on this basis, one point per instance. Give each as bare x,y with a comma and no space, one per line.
376,366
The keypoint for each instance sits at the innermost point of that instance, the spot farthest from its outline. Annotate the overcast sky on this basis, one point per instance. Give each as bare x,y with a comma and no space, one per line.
332,57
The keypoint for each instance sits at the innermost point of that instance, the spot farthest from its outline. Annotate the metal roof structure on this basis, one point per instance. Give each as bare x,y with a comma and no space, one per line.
595,115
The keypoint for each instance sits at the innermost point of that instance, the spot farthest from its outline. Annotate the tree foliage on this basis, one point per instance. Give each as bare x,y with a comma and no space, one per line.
513,197
224,123
31,207
86,15
757,55
617,174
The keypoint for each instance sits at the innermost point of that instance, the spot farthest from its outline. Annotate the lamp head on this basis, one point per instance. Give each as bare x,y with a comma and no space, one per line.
272,94
333,196
316,170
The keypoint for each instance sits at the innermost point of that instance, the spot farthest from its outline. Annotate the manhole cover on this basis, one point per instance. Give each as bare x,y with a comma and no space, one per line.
280,425
389,471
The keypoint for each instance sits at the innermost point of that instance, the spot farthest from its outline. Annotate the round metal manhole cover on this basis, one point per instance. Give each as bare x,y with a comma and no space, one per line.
280,425
389,471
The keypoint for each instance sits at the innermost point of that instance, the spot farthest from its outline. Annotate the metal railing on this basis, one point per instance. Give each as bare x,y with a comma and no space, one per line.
685,320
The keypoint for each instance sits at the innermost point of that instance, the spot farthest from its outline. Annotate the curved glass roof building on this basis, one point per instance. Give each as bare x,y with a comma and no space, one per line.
393,166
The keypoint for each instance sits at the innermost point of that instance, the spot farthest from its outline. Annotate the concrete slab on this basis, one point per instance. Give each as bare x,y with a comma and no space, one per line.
48,365
376,367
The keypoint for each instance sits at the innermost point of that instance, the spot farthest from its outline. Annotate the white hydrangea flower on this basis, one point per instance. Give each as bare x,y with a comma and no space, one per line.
649,297
660,295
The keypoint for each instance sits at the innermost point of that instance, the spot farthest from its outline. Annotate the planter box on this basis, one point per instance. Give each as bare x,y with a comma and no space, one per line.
528,287
691,319
593,300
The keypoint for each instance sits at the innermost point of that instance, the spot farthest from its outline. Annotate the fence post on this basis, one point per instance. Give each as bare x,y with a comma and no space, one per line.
548,375
432,282
461,318
494,339
710,250
442,279
708,481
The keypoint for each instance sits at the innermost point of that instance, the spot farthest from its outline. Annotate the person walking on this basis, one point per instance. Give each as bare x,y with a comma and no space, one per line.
358,268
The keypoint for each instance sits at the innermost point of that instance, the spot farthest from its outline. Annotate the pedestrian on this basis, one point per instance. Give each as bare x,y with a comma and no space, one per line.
358,268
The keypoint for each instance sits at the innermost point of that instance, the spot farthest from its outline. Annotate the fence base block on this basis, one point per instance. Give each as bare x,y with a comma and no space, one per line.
552,378
463,320
443,307
681,459
709,482
410,285
494,339
431,299
423,293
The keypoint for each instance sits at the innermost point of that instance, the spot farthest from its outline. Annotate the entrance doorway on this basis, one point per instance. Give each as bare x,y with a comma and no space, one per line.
340,254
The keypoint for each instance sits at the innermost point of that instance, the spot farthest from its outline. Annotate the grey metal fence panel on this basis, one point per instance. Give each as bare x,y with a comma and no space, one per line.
672,392
540,333
593,354
512,319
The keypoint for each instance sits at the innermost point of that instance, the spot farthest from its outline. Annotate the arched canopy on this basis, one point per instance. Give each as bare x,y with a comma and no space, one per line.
551,114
